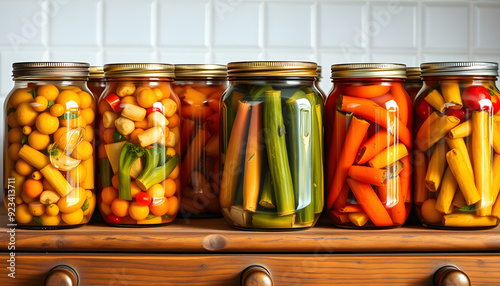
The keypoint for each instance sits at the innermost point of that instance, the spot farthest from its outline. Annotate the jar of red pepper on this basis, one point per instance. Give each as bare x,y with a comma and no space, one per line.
368,170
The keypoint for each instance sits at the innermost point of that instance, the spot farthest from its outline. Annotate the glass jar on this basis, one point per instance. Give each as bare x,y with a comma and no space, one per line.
200,88
317,82
139,156
413,82
49,147
368,172
271,146
457,146
96,81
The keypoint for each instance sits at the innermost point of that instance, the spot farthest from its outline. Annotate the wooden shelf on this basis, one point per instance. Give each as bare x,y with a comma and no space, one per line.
215,236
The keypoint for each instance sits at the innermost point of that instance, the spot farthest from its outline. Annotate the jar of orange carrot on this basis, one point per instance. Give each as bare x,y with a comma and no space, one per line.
271,147
49,154
200,88
139,154
457,145
413,82
368,168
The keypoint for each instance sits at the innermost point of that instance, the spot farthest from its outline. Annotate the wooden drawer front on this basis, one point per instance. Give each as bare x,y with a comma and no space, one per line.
112,269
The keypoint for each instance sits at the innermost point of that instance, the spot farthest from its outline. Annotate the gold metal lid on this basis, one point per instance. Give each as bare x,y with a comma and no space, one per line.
200,70
468,68
368,70
272,69
50,70
318,72
96,72
139,70
413,73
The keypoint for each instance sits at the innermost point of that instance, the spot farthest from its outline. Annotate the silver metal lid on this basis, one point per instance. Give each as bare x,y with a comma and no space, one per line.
368,70
50,70
459,69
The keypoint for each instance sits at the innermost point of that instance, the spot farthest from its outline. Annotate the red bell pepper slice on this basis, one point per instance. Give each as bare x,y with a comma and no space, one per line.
114,102
157,107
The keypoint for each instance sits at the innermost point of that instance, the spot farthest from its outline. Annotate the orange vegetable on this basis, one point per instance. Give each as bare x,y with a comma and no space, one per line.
354,137
213,122
253,161
341,123
398,211
196,112
351,209
32,188
193,154
368,175
186,131
367,90
405,179
369,110
341,200
234,156
374,145
370,203
192,96
213,102
142,124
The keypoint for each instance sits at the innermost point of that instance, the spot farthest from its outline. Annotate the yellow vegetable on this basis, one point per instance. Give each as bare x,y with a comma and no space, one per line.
155,220
73,201
34,157
113,152
108,119
436,168
468,220
124,126
20,96
481,161
459,144
435,99
23,214
462,130
451,94
26,115
358,219
89,167
463,176
56,179
133,112
432,132
73,218
49,197
446,193
150,136
49,220
388,156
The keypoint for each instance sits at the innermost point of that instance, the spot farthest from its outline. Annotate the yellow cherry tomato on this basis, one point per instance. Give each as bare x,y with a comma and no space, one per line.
85,99
120,207
57,110
23,214
47,123
69,99
26,115
429,212
73,218
49,91
41,103
77,175
27,130
73,201
138,212
15,135
38,140
88,114
11,120
20,96
89,133
36,208
49,220
13,151
36,175
156,191
23,168
52,210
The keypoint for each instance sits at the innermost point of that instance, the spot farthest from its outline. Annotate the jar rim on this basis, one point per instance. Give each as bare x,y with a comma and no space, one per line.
50,70
139,70
461,68
272,69
368,70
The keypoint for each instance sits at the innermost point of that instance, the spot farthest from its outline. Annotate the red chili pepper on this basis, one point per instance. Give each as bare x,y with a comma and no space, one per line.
114,102
459,113
112,218
157,107
477,98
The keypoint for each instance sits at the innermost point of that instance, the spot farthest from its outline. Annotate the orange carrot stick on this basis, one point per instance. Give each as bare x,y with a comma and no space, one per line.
388,191
368,175
404,104
341,200
353,140
234,155
368,90
338,217
370,203
193,154
405,179
369,110
253,161
398,211
340,126
351,209
374,145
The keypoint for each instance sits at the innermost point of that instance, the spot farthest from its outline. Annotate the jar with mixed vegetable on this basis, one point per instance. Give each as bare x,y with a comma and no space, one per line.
139,161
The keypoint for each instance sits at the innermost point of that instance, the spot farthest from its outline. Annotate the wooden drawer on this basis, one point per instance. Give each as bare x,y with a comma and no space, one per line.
226,269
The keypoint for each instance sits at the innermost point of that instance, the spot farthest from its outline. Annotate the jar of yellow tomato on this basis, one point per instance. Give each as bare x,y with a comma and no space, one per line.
49,150
139,152
200,88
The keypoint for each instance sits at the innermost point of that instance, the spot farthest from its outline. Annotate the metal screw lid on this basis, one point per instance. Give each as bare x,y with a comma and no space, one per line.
413,73
200,71
139,70
469,68
50,70
96,72
368,70
272,69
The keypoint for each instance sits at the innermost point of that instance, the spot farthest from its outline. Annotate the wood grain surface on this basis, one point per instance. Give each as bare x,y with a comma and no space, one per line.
198,270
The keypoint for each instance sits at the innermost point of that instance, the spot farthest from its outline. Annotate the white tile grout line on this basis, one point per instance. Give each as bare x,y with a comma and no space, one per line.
154,29
209,26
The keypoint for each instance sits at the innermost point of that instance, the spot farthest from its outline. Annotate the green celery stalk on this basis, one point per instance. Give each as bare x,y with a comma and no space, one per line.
271,220
128,155
267,198
158,174
277,153
105,172
257,91
317,153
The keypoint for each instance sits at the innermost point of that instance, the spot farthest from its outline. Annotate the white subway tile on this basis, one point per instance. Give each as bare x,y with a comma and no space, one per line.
127,22
22,23
446,27
341,24
289,24
236,23
280,55
236,55
75,23
409,59
444,57
184,56
129,56
393,25
487,24
8,57
343,56
91,56
487,57
183,23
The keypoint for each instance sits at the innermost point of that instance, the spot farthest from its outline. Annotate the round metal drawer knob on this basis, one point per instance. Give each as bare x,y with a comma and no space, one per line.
451,276
61,275
256,276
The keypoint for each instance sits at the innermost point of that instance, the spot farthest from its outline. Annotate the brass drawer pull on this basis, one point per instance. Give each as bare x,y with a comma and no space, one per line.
256,275
450,275
61,275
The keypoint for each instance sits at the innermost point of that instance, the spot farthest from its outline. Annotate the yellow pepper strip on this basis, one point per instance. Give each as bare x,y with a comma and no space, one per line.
436,100
496,140
458,200
436,168
388,156
451,94
461,131
427,136
420,190
481,161
446,193
358,219
468,220
496,186
463,176
459,144
56,179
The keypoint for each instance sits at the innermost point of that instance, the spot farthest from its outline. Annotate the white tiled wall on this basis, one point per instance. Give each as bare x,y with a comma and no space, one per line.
218,31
